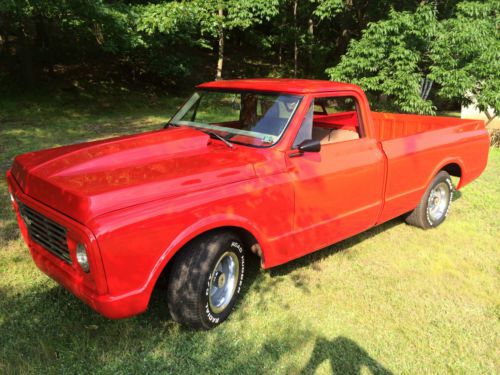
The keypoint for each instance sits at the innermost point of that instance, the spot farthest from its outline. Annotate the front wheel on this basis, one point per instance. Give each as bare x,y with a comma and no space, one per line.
206,279
435,204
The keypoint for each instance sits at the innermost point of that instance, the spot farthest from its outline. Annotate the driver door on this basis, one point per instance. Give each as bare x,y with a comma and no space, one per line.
338,190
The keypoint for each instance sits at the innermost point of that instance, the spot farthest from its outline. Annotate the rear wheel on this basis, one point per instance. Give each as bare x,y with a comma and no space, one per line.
206,280
435,204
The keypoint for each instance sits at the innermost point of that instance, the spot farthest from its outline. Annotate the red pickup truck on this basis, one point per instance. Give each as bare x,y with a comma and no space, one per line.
275,167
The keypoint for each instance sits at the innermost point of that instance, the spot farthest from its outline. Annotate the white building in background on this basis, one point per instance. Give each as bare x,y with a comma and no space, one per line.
472,112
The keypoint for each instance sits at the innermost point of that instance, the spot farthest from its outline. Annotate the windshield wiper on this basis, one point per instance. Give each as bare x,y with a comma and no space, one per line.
209,132
219,137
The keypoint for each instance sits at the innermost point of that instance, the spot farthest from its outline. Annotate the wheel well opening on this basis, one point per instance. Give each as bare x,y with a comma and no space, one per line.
454,170
248,239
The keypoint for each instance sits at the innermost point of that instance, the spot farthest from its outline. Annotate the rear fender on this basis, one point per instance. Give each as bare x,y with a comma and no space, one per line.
443,164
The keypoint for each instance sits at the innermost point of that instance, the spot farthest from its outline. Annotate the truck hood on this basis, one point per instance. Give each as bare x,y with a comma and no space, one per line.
89,179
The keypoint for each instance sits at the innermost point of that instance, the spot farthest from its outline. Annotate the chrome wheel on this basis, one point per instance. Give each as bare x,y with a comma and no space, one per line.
223,281
439,199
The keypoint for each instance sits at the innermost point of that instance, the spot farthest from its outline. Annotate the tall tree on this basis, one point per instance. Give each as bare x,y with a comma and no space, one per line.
219,17
466,56
456,45
167,35
392,58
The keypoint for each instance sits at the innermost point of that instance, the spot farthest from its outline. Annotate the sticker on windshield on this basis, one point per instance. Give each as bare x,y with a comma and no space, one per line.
268,138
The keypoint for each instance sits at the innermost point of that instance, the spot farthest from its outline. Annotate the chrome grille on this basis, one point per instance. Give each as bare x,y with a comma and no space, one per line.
45,232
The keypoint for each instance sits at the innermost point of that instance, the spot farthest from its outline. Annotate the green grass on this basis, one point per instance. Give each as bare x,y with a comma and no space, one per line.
394,299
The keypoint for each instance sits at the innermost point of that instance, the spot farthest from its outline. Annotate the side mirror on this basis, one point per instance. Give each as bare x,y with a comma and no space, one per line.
310,145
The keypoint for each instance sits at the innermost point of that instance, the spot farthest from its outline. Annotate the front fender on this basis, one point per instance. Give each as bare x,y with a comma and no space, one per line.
137,242
202,226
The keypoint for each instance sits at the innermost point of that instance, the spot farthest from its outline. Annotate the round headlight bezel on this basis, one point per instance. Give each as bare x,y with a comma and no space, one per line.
82,257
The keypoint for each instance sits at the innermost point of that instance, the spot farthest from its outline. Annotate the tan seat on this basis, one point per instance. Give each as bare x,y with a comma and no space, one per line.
341,135
321,134
327,136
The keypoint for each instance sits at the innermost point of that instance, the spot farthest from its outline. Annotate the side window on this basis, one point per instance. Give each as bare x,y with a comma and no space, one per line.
305,131
319,109
338,104
338,122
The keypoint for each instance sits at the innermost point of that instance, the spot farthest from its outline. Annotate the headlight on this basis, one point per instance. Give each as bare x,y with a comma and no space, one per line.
81,257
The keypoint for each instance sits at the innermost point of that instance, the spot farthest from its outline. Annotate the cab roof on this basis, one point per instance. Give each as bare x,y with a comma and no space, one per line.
284,85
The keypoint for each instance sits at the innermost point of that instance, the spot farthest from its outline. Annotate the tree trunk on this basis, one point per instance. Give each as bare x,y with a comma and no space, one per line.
25,53
220,55
280,54
281,38
310,46
490,116
43,44
295,42
425,87
3,44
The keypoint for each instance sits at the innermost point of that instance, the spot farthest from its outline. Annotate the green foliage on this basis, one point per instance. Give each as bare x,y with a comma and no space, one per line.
237,14
392,58
461,53
466,55
393,49
328,8
187,23
43,32
139,33
106,23
166,32
165,18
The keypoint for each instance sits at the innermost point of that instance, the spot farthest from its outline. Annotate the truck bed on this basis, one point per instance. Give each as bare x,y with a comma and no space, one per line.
417,147
391,125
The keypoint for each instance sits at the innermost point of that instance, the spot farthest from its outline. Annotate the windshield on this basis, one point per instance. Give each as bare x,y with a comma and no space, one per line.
252,119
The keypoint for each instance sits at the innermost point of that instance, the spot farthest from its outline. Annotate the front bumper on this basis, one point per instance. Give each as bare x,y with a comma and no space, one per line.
89,287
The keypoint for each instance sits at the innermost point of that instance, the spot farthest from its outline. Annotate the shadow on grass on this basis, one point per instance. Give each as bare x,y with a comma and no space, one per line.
345,356
345,245
45,328
50,330
457,194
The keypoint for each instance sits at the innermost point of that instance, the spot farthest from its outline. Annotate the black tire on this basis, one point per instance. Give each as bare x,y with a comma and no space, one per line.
193,275
423,215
